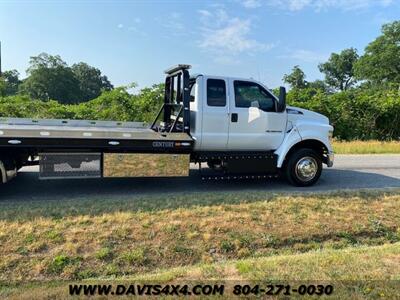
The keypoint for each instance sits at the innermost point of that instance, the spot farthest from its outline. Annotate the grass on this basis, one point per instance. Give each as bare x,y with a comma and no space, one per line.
352,271
38,245
145,165
366,147
251,234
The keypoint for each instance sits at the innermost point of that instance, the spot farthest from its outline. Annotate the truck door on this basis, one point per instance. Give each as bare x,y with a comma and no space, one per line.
215,125
254,122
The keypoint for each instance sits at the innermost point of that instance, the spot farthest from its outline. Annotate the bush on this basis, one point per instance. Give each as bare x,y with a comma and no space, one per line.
357,113
117,104
24,107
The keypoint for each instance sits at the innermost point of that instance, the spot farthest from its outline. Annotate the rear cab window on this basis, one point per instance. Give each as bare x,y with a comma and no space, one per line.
192,87
216,92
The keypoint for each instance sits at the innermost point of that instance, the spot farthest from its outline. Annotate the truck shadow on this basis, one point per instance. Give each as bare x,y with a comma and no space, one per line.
27,186
27,198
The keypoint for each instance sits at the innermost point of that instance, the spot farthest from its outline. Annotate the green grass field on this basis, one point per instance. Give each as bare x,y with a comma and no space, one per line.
199,236
366,147
353,272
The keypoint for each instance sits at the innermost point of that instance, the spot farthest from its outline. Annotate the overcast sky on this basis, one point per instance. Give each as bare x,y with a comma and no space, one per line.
134,41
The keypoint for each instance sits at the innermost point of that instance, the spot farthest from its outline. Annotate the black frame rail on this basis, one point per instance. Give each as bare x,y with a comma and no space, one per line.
176,99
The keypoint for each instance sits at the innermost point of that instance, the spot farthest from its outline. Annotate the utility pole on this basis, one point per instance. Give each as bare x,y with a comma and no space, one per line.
0,59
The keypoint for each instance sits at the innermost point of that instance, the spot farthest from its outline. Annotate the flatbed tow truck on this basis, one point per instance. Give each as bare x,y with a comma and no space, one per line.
235,126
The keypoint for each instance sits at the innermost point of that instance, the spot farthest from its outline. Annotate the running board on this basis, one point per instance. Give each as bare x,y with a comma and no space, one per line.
238,177
242,163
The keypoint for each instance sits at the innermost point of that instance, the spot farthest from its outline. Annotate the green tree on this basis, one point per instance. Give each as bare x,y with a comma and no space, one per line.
380,63
304,95
3,87
318,85
11,82
51,78
91,82
339,69
296,79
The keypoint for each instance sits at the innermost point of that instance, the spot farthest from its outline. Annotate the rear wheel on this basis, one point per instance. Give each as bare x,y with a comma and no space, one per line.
303,167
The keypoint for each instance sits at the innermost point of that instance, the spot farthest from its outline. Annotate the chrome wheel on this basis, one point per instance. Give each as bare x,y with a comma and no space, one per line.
306,168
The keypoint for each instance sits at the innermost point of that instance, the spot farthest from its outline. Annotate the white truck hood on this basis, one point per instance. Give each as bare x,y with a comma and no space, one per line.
296,113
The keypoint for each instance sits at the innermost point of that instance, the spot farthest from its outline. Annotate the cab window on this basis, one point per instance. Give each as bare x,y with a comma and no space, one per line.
251,94
216,92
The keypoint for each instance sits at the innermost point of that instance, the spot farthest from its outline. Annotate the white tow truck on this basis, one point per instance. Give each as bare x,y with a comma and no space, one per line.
235,126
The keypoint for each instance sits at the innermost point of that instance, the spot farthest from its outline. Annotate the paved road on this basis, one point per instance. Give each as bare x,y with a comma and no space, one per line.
349,172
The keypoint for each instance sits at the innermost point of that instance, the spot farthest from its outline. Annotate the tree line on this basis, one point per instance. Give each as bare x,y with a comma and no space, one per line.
49,77
378,67
359,93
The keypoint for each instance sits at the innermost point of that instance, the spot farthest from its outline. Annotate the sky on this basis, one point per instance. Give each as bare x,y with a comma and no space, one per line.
135,41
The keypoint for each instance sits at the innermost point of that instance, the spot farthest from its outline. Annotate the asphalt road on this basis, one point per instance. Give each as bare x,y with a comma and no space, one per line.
349,172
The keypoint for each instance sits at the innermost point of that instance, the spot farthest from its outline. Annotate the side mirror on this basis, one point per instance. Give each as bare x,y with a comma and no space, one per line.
282,99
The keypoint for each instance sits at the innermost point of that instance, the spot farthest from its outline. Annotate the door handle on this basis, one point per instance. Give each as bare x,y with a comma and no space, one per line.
234,117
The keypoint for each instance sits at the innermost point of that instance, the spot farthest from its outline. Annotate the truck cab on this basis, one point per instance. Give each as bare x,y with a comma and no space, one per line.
242,116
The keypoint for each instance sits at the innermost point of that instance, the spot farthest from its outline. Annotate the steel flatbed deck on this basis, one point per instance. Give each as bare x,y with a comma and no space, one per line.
83,134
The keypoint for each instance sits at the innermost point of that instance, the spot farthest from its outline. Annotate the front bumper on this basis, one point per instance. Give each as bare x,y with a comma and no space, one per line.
330,157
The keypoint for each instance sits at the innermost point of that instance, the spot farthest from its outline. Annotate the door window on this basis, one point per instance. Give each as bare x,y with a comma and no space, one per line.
216,92
250,94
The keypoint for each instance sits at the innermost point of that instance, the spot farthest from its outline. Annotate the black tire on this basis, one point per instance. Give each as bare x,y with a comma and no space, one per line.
309,173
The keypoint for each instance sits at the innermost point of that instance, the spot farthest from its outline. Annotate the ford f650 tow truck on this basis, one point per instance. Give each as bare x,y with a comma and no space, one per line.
235,127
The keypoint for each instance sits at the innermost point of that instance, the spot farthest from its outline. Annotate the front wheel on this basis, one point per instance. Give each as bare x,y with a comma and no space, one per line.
303,167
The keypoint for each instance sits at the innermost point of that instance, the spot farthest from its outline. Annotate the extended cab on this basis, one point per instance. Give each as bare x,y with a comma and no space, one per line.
235,126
